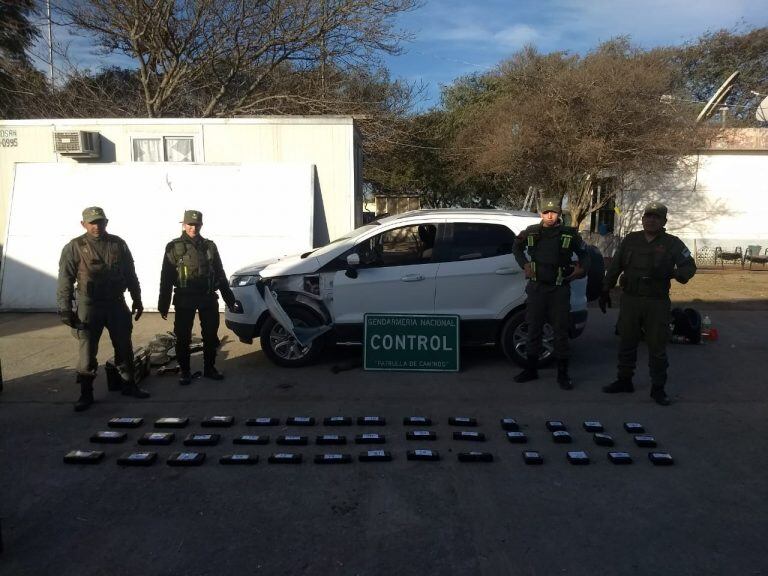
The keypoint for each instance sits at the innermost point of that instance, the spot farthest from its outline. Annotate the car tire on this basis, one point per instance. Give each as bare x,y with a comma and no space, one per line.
282,349
512,340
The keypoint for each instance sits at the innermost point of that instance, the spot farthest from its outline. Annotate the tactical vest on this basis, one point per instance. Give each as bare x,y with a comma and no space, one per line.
565,253
647,266
194,267
99,277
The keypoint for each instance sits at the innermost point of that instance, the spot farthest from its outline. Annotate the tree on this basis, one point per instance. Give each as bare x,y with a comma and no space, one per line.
560,123
17,34
229,57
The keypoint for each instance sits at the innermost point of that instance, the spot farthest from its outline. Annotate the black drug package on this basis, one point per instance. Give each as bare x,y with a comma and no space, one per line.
137,459
420,435
517,437
284,458
509,424
620,457
370,438
300,421
417,421
593,426
292,440
251,439
337,421
330,439
171,422
238,459
661,458
578,457
371,421
634,427
602,439
186,459
532,457
555,425
462,421
109,437
562,437
217,422
423,455
83,457
475,457
645,441
262,421
125,422
333,458
157,438
375,456
471,436
202,440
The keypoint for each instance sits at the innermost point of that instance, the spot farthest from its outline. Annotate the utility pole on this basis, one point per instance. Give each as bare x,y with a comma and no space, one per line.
50,40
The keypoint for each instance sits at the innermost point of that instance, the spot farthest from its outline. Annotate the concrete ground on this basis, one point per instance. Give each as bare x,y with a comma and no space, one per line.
704,515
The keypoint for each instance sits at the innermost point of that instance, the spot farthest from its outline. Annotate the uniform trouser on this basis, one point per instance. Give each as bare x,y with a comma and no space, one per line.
209,326
547,302
116,318
649,315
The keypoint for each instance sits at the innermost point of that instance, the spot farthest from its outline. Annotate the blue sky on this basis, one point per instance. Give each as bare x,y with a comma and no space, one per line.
452,38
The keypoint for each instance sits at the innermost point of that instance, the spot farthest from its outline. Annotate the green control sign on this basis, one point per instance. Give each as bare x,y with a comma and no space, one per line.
420,342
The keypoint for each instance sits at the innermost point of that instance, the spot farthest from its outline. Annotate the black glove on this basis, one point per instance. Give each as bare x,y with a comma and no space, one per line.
137,309
236,307
68,318
604,301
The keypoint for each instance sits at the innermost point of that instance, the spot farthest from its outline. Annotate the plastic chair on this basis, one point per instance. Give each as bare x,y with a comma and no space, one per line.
735,256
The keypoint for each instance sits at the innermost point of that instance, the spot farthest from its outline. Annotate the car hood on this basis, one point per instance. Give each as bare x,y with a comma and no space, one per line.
282,266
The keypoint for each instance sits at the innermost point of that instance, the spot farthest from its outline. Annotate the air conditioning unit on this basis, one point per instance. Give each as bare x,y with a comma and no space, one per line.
76,143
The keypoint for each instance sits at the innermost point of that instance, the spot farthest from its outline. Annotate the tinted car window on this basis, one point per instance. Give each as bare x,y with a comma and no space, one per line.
399,246
469,241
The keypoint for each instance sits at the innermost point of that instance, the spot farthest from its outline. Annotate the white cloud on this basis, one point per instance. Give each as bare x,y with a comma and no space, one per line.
516,36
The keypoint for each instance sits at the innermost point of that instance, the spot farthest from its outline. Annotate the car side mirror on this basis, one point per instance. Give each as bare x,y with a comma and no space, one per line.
353,261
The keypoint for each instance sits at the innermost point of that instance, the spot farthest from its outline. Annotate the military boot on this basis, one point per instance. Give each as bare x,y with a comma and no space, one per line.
86,393
562,375
529,372
185,378
210,372
659,395
209,368
132,389
619,385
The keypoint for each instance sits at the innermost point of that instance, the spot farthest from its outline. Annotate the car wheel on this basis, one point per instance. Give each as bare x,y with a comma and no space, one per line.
514,334
282,348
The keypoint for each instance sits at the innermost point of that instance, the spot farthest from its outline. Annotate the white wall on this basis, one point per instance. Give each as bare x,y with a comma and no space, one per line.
716,199
252,212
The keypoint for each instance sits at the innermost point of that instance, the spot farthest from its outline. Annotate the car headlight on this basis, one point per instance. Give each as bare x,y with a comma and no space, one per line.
247,280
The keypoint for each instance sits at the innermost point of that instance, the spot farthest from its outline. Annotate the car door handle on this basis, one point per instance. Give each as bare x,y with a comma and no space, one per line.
412,278
508,271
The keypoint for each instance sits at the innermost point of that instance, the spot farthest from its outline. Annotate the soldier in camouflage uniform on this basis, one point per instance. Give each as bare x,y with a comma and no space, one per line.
647,261
101,267
549,267
192,265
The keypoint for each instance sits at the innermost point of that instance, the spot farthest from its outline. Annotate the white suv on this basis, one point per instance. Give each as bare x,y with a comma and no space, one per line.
422,262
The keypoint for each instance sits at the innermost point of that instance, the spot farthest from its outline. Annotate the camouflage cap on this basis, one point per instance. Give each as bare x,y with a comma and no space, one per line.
550,205
93,213
192,217
656,208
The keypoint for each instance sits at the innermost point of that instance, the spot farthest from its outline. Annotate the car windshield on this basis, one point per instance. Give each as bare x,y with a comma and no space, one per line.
350,236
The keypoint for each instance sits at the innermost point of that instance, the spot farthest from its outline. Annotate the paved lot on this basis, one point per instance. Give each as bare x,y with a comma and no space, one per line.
705,515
